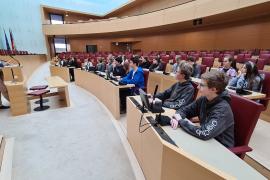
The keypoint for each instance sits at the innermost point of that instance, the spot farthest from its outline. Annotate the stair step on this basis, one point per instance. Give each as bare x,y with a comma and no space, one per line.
6,164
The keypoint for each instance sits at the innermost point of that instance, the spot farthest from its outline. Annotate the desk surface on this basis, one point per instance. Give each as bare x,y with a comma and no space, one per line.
11,83
210,152
56,82
116,83
254,95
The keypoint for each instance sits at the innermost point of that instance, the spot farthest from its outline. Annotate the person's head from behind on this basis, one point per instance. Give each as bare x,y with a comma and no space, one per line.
191,60
143,59
212,84
229,62
134,62
184,72
155,61
178,59
118,61
126,66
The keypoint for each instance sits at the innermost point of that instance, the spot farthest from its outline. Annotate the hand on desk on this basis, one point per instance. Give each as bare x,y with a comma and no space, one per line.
174,121
118,78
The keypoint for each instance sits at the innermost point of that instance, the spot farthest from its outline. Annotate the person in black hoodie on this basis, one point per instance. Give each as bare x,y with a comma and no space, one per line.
212,108
144,63
118,69
182,92
154,65
196,67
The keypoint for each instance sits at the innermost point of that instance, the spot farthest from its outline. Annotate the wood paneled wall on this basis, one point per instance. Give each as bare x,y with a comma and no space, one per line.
240,35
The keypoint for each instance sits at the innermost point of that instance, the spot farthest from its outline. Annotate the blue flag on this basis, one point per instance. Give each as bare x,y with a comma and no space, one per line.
7,44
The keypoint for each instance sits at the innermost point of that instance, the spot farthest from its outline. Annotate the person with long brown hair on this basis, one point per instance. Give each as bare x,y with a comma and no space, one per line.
249,78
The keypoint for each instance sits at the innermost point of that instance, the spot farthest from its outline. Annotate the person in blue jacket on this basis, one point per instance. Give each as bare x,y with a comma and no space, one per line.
136,77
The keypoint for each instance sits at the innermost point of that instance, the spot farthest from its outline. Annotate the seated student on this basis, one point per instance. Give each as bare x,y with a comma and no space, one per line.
161,66
3,91
249,78
196,67
176,64
229,67
136,77
154,65
101,65
182,92
109,66
126,66
145,64
71,62
118,69
87,65
63,62
213,109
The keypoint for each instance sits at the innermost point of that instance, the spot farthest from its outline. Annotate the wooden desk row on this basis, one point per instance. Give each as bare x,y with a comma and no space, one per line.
104,90
19,101
62,72
166,81
192,159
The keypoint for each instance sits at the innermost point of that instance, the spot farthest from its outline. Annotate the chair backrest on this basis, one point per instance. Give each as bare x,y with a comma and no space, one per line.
196,90
266,57
265,88
203,69
260,64
246,114
208,61
240,58
183,57
145,74
247,55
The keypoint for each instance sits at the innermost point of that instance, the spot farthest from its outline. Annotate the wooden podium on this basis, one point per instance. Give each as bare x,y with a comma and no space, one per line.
19,103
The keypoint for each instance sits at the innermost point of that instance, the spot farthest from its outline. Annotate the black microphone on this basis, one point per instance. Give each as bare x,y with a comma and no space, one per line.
154,96
12,73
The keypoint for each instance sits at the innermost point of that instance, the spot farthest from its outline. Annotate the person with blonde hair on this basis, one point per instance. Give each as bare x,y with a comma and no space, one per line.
213,109
182,92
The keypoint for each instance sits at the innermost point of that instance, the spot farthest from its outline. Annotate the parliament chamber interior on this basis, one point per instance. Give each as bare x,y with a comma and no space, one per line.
134,89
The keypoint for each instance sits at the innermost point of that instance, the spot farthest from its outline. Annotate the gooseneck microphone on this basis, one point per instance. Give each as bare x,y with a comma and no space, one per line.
154,96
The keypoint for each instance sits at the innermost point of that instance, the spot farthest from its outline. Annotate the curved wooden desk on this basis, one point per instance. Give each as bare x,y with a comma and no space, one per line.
104,90
192,159
62,72
166,81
